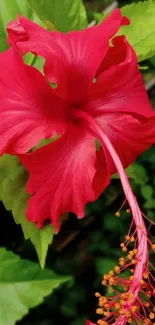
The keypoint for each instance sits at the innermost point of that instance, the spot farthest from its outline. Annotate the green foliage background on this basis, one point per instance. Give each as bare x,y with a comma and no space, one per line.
87,248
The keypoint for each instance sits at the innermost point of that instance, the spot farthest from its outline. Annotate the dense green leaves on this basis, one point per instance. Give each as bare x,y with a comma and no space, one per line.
141,32
68,15
23,285
13,193
8,12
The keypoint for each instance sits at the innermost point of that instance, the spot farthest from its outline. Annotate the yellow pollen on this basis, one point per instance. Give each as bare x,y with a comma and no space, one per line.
134,309
117,214
124,249
111,272
117,306
131,278
127,237
122,302
99,311
145,275
133,261
153,246
140,227
107,306
101,322
107,313
97,294
122,244
129,256
131,295
130,320
141,281
117,269
128,211
146,304
104,282
132,239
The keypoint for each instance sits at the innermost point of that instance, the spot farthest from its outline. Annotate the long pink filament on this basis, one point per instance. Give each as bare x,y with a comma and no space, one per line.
142,256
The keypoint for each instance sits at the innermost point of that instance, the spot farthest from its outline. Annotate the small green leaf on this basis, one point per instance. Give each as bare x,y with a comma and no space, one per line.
141,32
69,15
135,172
23,285
13,178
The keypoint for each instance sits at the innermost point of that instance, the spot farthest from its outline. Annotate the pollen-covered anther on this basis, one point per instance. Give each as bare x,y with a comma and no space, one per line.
130,320
134,309
117,214
101,322
117,269
132,239
151,315
153,247
133,261
145,275
102,301
128,211
127,237
99,311
124,249
131,278
104,282
117,306
107,313
146,304
121,261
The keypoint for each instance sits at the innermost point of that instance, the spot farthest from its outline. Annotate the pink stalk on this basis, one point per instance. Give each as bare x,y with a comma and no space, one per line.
142,256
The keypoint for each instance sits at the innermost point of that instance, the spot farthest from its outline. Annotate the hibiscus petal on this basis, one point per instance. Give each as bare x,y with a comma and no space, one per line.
72,59
29,108
129,137
64,176
119,88
21,30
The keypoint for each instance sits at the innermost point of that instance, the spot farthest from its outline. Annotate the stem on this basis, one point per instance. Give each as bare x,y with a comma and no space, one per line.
142,258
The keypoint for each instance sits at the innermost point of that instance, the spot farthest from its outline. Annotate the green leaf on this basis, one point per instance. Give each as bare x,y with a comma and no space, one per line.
69,15
135,172
13,178
141,32
8,12
23,285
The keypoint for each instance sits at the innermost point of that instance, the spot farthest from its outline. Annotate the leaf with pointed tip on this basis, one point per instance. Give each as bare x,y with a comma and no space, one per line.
13,178
23,285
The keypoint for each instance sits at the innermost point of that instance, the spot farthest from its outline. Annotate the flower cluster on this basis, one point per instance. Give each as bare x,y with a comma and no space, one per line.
99,94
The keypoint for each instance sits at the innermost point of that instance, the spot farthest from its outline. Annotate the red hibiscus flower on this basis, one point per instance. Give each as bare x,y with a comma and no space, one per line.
99,95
